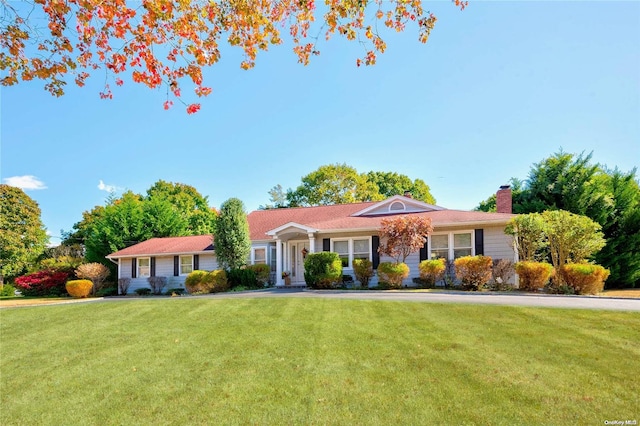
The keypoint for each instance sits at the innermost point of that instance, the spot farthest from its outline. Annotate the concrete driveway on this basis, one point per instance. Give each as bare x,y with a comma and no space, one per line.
504,299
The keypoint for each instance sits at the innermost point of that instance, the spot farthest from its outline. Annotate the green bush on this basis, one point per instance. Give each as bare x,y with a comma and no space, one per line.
431,271
143,291
245,277
207,282
262,272
584,278
322,270
391,274
533,275
79,288
195,282
107,291
363,270
473,271
7,290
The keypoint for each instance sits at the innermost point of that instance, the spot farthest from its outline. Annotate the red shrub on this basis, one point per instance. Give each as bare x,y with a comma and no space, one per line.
43,283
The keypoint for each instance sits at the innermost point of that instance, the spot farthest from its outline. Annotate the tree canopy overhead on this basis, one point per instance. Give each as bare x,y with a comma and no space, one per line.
342,184
166,42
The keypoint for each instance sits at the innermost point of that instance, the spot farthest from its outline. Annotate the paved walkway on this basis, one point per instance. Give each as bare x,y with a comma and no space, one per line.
505,299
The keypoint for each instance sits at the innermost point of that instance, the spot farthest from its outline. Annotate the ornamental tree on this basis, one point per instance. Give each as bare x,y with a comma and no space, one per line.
232,241
22,234
403,235
163,43
94,272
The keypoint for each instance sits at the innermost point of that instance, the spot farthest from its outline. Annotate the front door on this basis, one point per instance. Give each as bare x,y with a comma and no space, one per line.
297,254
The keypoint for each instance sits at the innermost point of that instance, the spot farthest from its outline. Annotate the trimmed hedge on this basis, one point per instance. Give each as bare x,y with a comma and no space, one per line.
363,270
473,271
391,274
207,282
323,270
533,275
79,288
584,278
431,271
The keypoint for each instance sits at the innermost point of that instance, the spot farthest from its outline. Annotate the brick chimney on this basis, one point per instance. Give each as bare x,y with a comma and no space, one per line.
408,194
503,199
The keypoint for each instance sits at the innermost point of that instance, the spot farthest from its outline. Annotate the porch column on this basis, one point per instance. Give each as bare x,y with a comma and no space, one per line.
312,243
279,262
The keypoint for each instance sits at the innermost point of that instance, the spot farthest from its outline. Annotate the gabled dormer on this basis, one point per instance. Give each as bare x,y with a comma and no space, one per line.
398,204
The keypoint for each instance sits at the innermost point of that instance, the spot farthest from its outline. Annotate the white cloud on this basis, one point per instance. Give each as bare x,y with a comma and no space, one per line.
25,182
104,187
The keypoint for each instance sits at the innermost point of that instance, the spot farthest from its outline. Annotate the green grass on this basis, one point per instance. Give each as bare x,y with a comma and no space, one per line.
315,361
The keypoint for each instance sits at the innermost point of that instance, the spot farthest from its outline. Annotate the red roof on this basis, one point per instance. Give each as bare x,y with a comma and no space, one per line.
339,217
168,245
333,218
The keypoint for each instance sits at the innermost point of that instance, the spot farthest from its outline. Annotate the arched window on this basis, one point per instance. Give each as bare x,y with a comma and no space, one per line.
397,206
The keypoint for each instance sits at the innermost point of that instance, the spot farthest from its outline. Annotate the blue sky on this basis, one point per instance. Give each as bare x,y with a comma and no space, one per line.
497,88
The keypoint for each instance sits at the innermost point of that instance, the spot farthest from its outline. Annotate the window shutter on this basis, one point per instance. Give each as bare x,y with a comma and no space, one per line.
375,243
196,262
479,241
326,244
176,266
424,255
133,267
153,267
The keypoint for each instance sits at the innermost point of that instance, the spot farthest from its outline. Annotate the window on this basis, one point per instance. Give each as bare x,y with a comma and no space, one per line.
361,249
397,206
353,248
342,248
273,259
186,265
144,267
451,246
259,256
461,245
440,247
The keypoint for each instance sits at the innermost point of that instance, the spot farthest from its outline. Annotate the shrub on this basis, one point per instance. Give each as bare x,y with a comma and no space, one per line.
195,282
431,271
217,281
207,282
107,291
474,271
157,284
143,291
123,285
533,275
7,290
502,272
262,272
322,270
79,288
96,272
391,274
584,278
363,270
177,291
43,283
244,277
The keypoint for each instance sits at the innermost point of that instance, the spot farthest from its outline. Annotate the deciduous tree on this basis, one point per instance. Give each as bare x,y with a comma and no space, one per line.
22,234
167,42
392,183
403,235
232,242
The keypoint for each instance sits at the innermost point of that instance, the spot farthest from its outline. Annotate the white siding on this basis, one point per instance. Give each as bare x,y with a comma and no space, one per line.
164,268
497,244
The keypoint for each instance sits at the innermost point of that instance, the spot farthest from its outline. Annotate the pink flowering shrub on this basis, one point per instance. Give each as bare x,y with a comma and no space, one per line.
43,283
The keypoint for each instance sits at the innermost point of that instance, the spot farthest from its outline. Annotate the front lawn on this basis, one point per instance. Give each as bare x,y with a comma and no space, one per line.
315,361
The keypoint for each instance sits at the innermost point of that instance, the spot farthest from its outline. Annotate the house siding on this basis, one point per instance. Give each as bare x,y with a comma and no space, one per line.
497,244
164,268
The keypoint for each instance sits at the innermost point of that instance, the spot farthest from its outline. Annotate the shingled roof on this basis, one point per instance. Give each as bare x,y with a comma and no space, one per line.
167,246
